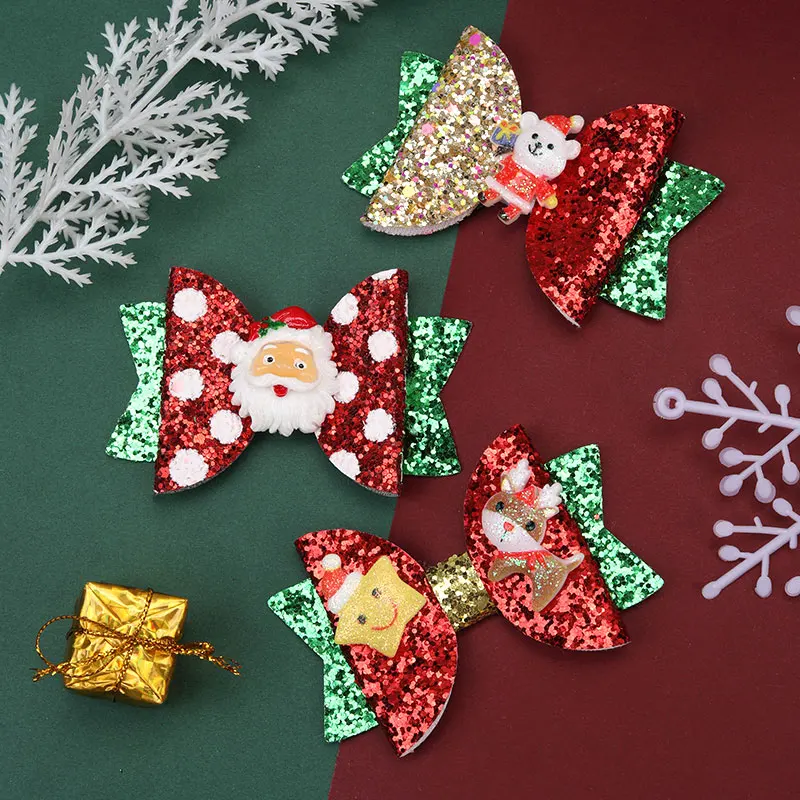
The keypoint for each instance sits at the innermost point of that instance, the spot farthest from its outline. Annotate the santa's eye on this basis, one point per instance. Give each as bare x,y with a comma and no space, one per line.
530,526
362,620
535,136
499,505
550,146
299,364
269,359
376,592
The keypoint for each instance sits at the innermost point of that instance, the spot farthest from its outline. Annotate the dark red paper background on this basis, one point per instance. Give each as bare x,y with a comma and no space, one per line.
703,702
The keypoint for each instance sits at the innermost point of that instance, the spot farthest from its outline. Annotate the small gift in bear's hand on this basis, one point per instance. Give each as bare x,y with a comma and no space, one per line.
123,643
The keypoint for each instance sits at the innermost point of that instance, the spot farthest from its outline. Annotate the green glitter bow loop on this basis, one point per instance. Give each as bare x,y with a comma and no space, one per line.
135,437
346,709
418,74
434,345
639,283
629,579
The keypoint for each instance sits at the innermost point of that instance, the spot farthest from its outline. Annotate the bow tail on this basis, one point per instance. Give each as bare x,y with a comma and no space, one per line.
434,345
418,75
346,711
639,283
628,578
135,437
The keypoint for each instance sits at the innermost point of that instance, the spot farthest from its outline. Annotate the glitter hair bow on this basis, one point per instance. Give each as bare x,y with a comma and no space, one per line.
537,553
366,383
602,206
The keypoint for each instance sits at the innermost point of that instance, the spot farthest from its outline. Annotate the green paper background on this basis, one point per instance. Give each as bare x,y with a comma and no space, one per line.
278,228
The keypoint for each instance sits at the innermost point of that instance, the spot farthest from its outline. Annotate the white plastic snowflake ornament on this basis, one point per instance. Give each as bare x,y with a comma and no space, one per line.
670,403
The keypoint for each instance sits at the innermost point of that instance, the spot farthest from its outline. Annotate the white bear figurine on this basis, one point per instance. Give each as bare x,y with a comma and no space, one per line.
541,151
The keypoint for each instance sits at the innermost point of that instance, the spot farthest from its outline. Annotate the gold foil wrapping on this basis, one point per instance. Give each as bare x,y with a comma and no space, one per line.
139,674
445,160
460,591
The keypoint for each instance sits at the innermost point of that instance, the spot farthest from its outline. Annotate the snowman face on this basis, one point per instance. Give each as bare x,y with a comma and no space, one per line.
511,525
542,149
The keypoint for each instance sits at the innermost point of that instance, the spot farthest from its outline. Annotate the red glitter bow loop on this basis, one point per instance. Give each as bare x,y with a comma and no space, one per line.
539,572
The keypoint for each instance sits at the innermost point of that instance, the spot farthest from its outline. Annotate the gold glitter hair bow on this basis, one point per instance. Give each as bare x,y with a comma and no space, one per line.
462,140
538,554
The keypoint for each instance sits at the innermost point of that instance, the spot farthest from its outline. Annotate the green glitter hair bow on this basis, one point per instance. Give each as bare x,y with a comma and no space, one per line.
461,140
538,554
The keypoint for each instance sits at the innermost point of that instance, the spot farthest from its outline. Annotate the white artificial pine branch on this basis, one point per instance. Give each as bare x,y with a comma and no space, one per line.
671,403
121,136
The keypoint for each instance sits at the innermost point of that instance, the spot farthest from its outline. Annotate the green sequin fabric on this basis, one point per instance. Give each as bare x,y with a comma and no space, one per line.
434,345
628,578
418,74
346,709
135,436
639,284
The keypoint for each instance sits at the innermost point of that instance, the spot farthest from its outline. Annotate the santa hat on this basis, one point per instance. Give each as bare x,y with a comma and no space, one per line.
336,585
566,125
293,317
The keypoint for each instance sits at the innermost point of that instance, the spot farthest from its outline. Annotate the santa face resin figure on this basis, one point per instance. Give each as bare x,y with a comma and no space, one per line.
541,151
284,378
514,520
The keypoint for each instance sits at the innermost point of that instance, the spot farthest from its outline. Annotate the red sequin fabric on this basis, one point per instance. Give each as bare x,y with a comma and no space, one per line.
195,385
582,616
573,248
409,691
363,437
201,432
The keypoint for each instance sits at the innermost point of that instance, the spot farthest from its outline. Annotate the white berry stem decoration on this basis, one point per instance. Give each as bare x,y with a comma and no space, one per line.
670,403
121,136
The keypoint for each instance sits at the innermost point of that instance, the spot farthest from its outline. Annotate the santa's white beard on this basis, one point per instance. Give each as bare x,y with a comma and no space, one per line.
302,408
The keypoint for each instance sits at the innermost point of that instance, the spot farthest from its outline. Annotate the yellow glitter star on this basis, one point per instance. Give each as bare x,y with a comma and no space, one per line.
379,610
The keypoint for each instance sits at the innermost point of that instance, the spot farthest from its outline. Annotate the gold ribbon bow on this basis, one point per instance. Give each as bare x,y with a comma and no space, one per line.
126,643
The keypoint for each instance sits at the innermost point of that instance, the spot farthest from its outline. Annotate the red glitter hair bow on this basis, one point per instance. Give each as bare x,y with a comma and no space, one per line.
537,553
603,206
366,382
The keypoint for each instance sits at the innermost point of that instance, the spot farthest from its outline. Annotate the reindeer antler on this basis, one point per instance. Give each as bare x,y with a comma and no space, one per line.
517,478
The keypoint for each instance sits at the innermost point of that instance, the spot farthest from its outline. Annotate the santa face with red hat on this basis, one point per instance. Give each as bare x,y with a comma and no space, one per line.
284,378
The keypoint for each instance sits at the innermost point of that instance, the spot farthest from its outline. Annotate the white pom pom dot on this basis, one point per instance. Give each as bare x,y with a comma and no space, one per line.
331,561
187,384
346,310
379,425
385,275
346,462
226,427
223,344
382,345
188,467
189,304
348,387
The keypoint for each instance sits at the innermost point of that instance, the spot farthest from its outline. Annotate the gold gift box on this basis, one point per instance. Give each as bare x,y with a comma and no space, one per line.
139,674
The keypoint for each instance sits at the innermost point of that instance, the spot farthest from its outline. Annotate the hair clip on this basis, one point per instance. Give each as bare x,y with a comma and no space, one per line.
538,554
603,205
366,383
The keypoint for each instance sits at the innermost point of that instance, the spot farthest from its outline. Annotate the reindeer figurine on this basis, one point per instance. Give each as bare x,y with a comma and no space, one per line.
515,521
